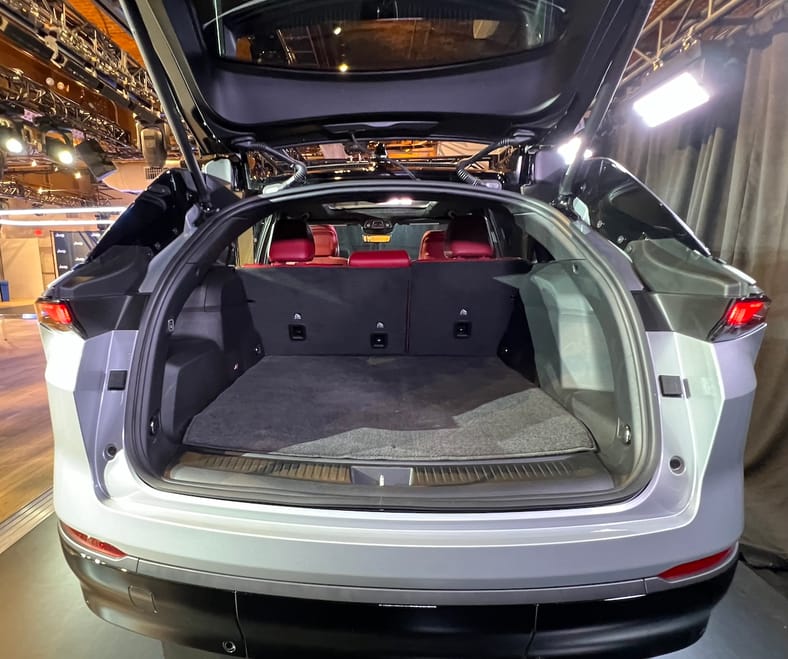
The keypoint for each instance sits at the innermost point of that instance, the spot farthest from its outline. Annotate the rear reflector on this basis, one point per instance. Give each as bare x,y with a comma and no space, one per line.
744,312
92,544
55,315
694,568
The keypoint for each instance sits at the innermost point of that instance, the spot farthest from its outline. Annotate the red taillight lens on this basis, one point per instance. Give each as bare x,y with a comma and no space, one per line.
744,312
696,567
740,317
55,315
92,544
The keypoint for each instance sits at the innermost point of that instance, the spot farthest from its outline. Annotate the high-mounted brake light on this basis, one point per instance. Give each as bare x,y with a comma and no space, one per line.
693,568
92,544
55,315
740,317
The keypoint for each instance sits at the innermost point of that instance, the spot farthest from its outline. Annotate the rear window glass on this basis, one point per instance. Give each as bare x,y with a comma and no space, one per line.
369,36
351,238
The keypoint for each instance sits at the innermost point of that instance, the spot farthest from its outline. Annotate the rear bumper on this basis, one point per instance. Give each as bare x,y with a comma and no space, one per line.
254,625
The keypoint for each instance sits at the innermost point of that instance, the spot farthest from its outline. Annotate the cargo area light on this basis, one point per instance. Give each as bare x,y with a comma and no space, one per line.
568,150
671,99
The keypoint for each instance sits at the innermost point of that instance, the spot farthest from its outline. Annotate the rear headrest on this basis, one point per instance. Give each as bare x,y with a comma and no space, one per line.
326,241
292,242
390,258
432,245
467,238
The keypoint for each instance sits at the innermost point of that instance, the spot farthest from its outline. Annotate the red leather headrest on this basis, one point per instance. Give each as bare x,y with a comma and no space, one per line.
432,243
292,242
326,241
467,238
390,258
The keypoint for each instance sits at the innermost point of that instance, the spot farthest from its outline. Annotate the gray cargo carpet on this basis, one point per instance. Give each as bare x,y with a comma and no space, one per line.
387,408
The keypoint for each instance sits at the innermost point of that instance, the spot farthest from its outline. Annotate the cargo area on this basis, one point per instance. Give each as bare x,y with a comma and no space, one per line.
451,366
394,408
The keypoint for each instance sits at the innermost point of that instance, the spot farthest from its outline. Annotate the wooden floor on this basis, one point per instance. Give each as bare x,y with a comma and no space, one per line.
25,428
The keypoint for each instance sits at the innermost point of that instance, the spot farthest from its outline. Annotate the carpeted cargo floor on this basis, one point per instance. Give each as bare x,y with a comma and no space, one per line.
387,408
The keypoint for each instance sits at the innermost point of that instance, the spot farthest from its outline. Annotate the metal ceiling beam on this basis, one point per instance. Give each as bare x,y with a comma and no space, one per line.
23,94
66,39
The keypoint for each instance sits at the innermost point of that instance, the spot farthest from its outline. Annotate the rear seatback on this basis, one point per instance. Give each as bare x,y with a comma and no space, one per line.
381,303
329,310
459,304
461,307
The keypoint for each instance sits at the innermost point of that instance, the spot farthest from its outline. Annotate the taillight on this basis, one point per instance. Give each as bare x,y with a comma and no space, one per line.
55,315
92,544
744,312
697,567
741,316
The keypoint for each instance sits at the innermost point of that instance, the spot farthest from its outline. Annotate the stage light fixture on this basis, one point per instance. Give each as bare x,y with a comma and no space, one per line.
671,99
96,159
59,147
703,72
153,144
11,139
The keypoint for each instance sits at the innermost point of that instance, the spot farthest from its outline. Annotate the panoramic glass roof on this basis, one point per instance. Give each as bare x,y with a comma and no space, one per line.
375,36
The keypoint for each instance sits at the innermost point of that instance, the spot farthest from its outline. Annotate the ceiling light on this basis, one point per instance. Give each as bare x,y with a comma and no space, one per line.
338,30
344,68
50,223
568,150
58,147
95,159
398,201
77,174
671,99
70,210
153,145
11,140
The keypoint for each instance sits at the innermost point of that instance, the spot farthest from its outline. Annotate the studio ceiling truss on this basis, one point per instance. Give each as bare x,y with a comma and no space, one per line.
24,94
53,30
16,190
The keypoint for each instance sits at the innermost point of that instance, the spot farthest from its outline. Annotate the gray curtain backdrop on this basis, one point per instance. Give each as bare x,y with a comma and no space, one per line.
724,168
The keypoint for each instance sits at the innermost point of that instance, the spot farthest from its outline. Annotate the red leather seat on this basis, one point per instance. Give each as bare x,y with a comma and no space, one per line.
387,258
468,238
291,244
326,245
432,243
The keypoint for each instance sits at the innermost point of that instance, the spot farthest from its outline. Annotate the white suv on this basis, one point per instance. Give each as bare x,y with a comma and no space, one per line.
399,407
